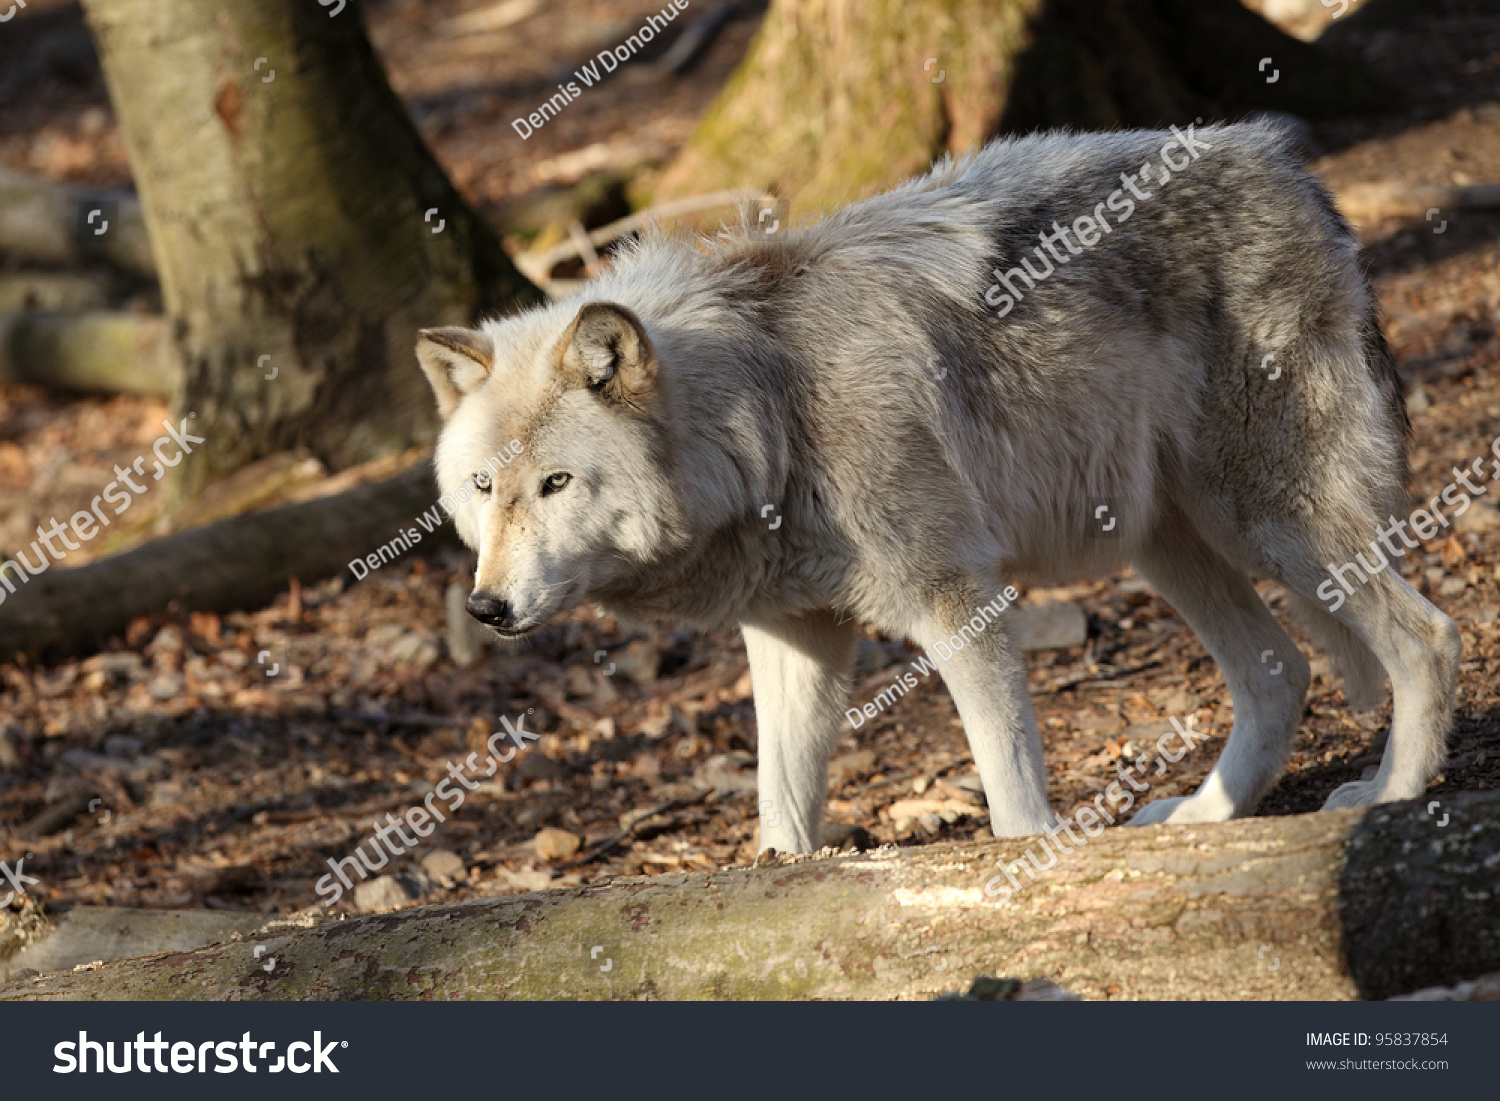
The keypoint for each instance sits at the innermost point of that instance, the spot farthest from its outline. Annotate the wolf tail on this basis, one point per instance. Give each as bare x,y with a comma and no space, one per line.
1352,660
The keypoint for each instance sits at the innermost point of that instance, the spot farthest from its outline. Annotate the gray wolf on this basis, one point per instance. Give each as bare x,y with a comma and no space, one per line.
801,431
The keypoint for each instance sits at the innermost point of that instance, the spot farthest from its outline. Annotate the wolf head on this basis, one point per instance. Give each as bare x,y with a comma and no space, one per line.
584,500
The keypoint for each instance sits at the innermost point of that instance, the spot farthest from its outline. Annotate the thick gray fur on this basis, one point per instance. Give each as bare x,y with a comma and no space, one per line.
922,452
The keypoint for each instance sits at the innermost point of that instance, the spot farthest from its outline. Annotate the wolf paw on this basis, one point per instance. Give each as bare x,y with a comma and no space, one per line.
1186,809
1359,793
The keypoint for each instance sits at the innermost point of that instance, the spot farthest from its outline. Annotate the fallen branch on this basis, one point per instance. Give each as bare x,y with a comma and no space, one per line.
537,266
1369,202
241,562
1318,906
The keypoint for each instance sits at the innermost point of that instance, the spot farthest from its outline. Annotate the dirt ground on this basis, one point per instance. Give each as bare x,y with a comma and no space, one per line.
221,785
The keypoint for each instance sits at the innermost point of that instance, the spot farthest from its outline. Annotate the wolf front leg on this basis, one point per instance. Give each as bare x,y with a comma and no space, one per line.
799,668
966,634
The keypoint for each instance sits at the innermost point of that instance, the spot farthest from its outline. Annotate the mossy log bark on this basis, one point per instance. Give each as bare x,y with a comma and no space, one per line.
841,98
242,562
300,226
92,351
1321,906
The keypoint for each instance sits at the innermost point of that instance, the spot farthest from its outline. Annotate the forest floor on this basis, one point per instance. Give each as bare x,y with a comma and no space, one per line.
221,785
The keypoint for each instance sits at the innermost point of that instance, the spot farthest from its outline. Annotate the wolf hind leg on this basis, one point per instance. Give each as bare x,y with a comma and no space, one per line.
1354,662
1267,675
1420,648
1417,646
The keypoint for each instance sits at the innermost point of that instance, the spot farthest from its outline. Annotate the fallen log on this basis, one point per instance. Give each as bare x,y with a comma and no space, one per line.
34,942
94,351
52,223
241,562
57,291
1364,203
1332,905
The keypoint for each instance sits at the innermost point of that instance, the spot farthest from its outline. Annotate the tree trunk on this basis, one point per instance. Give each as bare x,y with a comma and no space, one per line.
287,196
841,98
1331,905
241,562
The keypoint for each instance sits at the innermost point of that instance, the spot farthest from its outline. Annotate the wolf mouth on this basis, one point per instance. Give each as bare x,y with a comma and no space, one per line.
516,632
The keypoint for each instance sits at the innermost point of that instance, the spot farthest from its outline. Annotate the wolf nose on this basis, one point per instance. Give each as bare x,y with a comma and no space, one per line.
487,609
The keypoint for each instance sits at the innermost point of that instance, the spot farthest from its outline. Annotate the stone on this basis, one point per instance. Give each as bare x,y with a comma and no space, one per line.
167,686
1180,702
1452,586
168,639
724,773
385,634
414,649
527,879
443,865
384,892
553,845
640,661
1055,625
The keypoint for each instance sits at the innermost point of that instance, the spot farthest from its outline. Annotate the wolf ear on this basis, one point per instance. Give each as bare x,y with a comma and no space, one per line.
606,349
456,361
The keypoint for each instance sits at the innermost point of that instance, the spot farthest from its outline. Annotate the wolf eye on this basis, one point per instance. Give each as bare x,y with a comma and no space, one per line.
554,483
483,481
